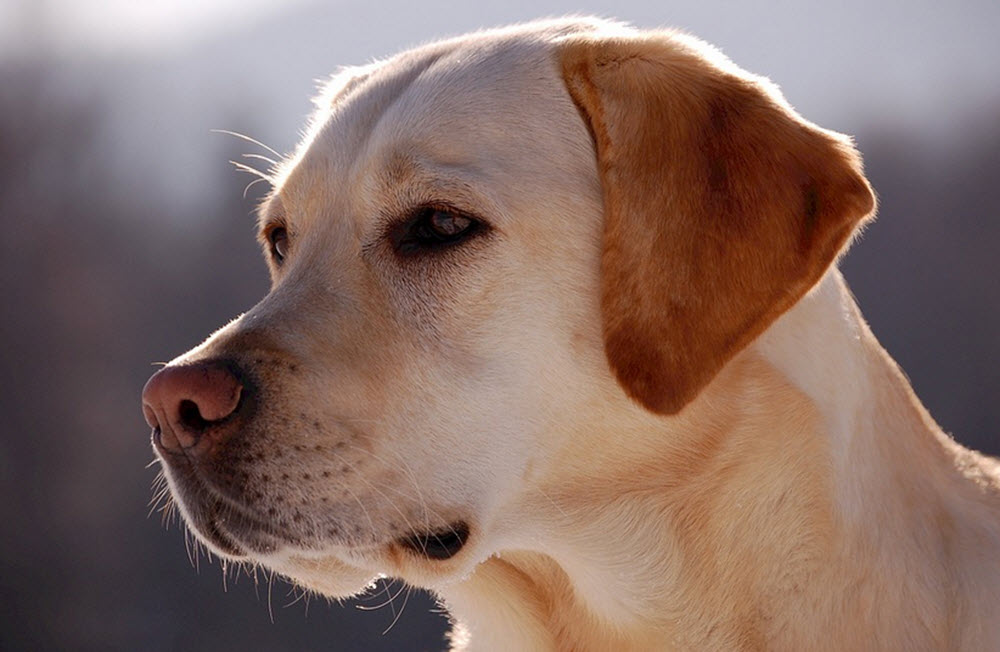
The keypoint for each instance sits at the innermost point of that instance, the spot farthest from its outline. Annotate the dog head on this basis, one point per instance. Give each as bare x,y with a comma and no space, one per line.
483,251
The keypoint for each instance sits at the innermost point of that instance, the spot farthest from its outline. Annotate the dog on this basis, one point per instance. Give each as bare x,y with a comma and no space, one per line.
556,332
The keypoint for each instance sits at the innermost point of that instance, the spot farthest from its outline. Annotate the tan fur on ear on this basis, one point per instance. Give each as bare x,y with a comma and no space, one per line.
722,206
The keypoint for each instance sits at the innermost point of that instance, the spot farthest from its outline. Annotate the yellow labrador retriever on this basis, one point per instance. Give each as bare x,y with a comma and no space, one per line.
555,332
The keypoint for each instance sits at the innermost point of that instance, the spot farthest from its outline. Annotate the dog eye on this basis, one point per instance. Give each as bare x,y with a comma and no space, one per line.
278,237
433,228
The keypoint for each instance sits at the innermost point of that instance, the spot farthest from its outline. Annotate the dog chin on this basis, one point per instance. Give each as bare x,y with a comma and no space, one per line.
326,574
321,572
426,560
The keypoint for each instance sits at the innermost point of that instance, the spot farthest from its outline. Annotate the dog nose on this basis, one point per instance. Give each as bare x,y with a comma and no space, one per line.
186,402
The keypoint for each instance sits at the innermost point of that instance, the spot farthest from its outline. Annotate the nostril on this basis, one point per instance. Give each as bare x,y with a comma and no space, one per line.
188,401
190,416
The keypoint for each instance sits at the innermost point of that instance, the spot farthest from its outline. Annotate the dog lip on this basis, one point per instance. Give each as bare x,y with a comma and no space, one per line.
230,526
438,544
220,539
232,531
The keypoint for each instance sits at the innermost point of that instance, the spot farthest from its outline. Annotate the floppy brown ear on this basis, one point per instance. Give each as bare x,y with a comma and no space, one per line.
722,206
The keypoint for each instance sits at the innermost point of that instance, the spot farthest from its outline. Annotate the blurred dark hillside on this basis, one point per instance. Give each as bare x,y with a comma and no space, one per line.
100,282
927,273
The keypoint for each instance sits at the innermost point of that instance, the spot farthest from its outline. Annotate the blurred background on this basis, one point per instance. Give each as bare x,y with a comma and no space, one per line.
126,240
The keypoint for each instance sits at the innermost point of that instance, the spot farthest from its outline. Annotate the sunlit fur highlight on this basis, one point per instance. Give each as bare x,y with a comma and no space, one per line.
786,492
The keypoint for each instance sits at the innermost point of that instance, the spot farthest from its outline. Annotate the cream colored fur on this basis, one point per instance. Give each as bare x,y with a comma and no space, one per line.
804,500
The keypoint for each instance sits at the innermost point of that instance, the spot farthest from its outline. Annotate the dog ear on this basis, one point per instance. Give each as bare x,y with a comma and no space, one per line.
722,206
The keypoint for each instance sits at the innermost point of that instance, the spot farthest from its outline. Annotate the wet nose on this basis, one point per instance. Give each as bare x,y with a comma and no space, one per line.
185,404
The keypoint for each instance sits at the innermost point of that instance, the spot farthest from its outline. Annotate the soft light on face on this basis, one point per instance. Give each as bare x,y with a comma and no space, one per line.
422,331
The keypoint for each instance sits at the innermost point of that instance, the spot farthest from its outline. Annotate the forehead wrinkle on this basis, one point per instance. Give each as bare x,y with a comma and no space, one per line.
341,129
360,97
358,111
432,104
476,150
408,180
346,108
330,95
504,98
406,164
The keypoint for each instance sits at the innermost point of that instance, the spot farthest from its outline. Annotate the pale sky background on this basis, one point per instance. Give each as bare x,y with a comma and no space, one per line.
913,50
123,27
170,72
126,241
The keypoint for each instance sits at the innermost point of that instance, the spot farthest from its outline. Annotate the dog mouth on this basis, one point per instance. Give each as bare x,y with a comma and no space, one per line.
210,528
236,530
438,544
233,532
229,527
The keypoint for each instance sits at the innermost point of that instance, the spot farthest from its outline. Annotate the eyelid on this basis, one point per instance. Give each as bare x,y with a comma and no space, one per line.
435,205
264,235
268,231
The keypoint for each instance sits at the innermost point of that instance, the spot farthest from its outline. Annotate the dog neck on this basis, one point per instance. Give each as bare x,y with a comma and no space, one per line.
803,488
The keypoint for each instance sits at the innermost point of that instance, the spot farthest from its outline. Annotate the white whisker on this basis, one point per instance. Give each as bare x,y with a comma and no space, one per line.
261,157
298,595
406,598
270,585
554,503
252,170
376,490
252,184
389,596
364,510
246,138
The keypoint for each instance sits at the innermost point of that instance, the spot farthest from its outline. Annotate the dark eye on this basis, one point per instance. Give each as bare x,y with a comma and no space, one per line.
278,237
433,228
